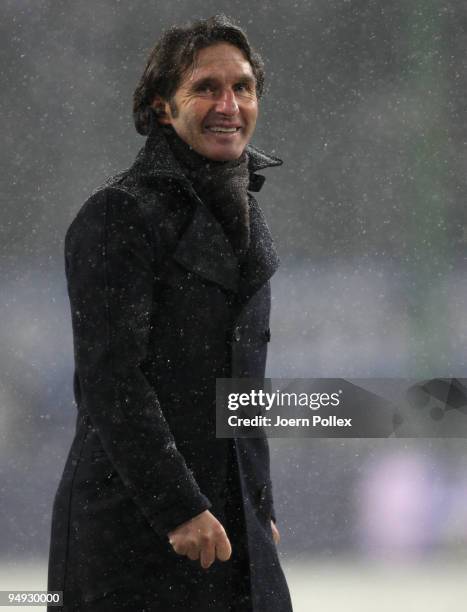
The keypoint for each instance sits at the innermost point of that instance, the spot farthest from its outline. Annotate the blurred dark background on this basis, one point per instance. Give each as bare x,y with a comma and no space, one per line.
365,103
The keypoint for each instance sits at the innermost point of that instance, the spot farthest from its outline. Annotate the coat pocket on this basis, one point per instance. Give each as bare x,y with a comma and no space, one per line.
98,453
114,547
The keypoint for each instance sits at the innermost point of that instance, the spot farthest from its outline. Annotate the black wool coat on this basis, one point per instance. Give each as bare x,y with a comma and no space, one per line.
160,309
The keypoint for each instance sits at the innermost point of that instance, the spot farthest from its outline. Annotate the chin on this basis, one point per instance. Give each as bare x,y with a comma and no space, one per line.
223,155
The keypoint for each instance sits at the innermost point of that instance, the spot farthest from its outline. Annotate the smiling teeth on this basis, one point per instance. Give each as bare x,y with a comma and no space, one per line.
222,129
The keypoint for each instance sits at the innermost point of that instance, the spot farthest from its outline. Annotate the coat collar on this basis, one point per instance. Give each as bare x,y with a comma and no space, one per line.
204,248
156,160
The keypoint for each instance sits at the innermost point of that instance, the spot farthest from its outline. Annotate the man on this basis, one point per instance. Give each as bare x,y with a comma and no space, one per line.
168,269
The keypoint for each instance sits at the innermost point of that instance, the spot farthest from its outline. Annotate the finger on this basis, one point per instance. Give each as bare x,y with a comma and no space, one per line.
193,552
207,555
276,536
179,548
223,548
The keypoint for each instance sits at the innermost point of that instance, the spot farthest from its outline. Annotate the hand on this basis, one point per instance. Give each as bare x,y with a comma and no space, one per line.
276,536
202,537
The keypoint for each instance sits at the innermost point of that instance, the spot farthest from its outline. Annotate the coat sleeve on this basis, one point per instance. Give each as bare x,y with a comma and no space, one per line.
109,258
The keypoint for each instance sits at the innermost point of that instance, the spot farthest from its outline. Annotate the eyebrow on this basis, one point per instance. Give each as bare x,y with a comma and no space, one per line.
244,78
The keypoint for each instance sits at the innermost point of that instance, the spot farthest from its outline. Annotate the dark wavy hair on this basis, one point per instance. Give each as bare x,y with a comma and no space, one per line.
176,52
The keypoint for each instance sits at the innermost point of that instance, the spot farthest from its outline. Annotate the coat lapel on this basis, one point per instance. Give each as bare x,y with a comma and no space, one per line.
204,248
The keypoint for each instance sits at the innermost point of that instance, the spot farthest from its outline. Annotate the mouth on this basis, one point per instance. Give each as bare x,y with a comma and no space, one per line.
219,129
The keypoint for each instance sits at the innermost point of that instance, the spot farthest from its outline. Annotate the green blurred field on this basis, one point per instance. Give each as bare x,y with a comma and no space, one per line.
349,586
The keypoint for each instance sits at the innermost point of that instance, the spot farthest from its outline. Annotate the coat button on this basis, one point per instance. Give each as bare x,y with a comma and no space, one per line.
236,334
267,334
263,493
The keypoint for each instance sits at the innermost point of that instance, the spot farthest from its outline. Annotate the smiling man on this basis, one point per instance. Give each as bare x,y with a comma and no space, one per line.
214,110
168,268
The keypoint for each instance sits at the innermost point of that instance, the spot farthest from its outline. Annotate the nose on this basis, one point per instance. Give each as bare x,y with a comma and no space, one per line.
227,103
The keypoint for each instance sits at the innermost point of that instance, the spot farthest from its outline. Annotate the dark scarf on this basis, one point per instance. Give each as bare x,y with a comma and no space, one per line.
221,185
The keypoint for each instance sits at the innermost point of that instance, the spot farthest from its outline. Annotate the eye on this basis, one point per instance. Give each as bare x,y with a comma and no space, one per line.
246,88
205,88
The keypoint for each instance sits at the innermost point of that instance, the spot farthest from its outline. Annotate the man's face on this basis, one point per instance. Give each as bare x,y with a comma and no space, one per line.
215,107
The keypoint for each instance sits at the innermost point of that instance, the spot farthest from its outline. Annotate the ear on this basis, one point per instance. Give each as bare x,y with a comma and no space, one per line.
162,110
